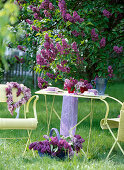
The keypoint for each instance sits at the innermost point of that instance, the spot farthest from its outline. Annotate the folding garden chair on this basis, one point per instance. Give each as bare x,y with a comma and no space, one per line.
28,124
107,123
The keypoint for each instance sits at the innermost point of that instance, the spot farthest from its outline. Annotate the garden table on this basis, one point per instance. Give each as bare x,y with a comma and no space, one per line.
65,93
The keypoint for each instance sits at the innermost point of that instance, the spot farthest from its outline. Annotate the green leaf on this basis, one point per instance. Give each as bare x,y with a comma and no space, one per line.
89,23
68,23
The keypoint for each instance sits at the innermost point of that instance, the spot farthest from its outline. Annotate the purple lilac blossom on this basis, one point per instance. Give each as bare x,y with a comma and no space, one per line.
40,60
106,13
94,35
74,47
75,33
47,45
110,71
102,42
51,76
77,17
42,83
35,28
117,49
47,14
45,5
29,21
64,43
51,7
69,17
59,48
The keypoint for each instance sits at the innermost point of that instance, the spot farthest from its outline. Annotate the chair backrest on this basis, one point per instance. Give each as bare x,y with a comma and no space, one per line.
13,123
3,97
120,136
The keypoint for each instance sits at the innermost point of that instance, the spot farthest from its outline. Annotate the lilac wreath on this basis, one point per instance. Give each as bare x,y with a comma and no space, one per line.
21,89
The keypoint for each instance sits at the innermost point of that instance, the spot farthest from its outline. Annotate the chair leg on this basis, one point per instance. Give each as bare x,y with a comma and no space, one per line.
114,142
120,148
29,134
111,150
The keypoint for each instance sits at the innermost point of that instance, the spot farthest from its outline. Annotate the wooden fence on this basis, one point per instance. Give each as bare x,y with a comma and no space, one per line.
19,74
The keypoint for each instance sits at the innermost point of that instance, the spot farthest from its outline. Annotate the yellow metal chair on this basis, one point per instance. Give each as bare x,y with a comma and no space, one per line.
107,123
28,124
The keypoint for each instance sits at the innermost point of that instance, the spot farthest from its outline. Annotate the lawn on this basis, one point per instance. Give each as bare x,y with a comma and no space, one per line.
101,140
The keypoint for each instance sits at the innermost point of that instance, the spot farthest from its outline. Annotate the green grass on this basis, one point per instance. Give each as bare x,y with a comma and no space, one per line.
101,140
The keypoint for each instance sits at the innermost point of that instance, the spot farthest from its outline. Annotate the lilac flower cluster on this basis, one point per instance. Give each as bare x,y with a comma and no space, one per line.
35,28
70,83
50,52
94,35
59,146
77,142
41,60
29,21
75,33
74,47
110,71
106,13
66,16
117,49
20,89
47,5
63,69
36,12
83,83
102,42
54,147
42,84
51,76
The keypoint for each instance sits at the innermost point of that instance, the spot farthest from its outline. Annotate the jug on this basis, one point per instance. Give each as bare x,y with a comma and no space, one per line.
100,85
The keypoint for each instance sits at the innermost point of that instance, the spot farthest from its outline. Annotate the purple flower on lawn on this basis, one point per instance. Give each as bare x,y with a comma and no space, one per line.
106,13
102,42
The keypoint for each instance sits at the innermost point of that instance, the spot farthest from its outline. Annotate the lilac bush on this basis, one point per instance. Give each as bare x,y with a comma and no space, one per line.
88,37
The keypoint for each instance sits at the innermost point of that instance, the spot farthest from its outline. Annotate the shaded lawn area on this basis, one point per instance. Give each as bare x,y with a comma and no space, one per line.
100,143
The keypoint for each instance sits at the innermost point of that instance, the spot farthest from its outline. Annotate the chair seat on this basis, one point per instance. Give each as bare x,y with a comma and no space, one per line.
21,123
113,123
